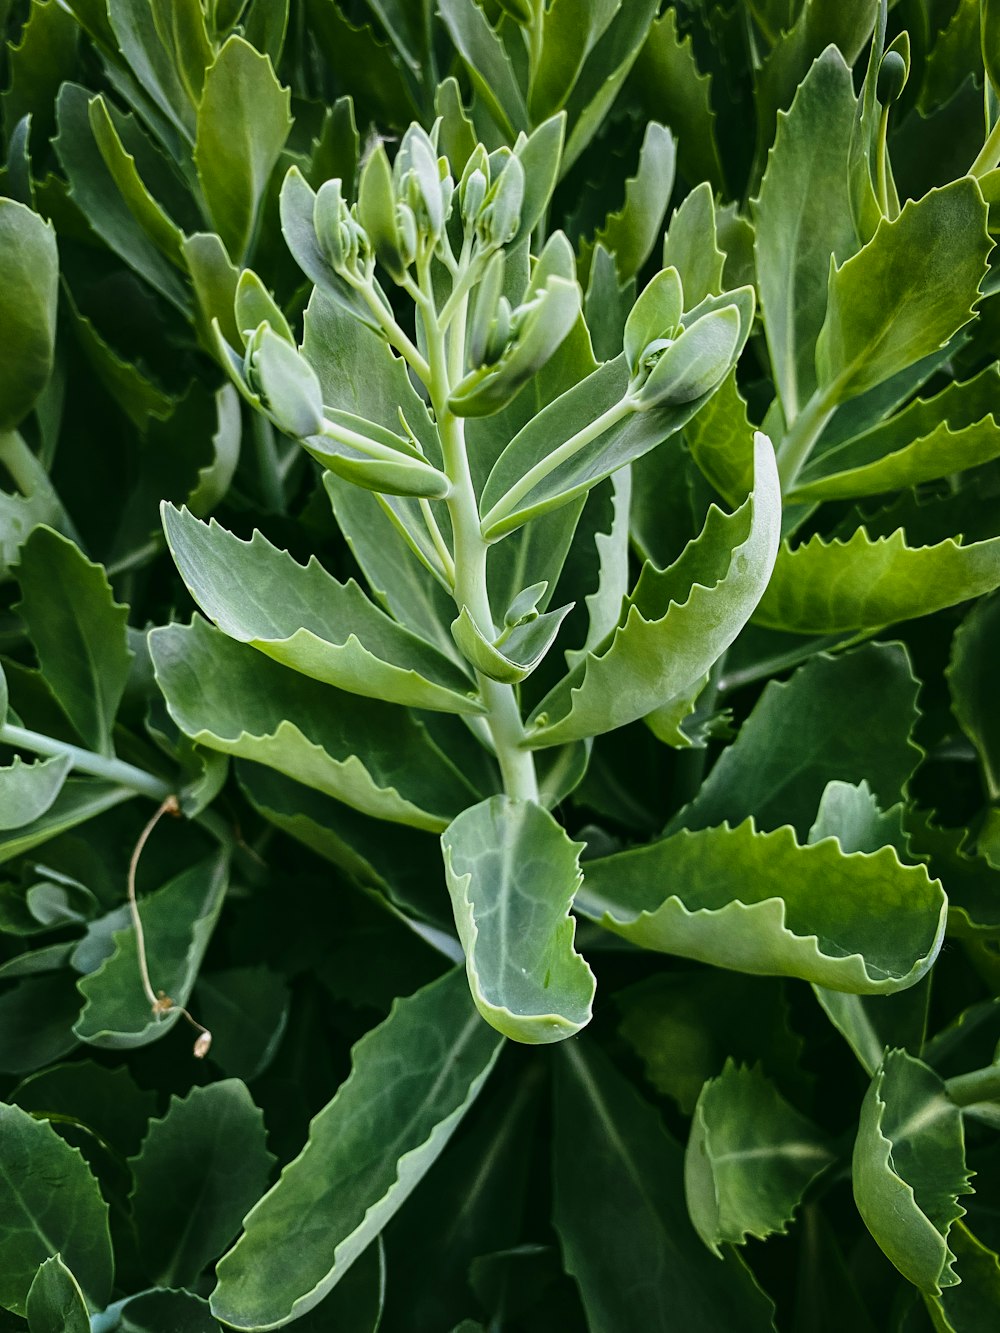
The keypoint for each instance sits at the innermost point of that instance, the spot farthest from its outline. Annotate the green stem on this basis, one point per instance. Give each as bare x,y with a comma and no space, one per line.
989,155
503,718
800,438
268,463
86,761
507,503
982,1085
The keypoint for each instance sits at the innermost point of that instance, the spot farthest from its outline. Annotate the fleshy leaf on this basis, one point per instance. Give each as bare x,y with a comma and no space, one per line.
648,1269
29,287
178,921
78,630
750,1158
200,1169
865,583
27,791
970,680
512,874
675,624
909,1170
631,233
79,800
55,1302
364,752
763,903
421,1068
691,246
904,295
305,619
36,1168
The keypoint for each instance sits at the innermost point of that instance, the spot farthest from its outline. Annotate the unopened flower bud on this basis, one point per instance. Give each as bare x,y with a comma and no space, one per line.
330,216
891,78
285,382
501,214
681,369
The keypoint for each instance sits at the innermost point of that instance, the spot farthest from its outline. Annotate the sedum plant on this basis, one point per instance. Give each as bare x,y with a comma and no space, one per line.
575,429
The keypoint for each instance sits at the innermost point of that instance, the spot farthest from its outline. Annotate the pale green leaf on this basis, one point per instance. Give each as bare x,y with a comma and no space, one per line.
487,62
675,624
303,618
55,1302
630,234
78,630
619,1212
906,293
721,441
567,36
833,587
178,920
802,217
512,873
763,903
750,1158
79,800
29,288
27,791
243,122
413,1078
49,1204
909,1170
199,1170
691,246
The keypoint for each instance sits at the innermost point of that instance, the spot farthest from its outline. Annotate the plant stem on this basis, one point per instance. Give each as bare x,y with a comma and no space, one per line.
796,446
446,357
982,1085
989,155
86,761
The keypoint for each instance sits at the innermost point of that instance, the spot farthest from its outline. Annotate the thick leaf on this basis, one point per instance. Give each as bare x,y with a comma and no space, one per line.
631,233
750,1158
368,754
795,742
78,801
243,122
27,791
487,62
304,618
180,1311
413,1078
974,649
675,624
178,921
246,1010
168,58
973,1305
834,587
49,1204
802,217
55,1302
107,1101
512,874
691,246
763,903
635,1256
29,287
36,1022
904,295
909,1169
200,1169
78,630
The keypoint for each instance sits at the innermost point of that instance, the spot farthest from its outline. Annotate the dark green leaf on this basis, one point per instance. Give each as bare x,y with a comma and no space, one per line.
55,1302
29,286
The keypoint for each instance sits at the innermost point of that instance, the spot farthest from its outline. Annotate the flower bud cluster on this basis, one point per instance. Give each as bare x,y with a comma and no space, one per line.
491,196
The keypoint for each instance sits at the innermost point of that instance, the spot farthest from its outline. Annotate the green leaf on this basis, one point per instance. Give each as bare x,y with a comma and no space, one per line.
612,435
36,1169
513,657
37,64
974,649
136,394
648,1269
906,293
80,800
972,1305
167,48
246,1011
243,122
422,1068
750,1158
27,791
55,1302
674,90
567,36
720,439
834,587
763,903
107,1101
180,1311
305,619
36,1022
795,742
178,920
512,873
801,217
366,753
691,246
29,287
631,233
487,62
199,1171
909,1169
78,630
675,624
94,190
